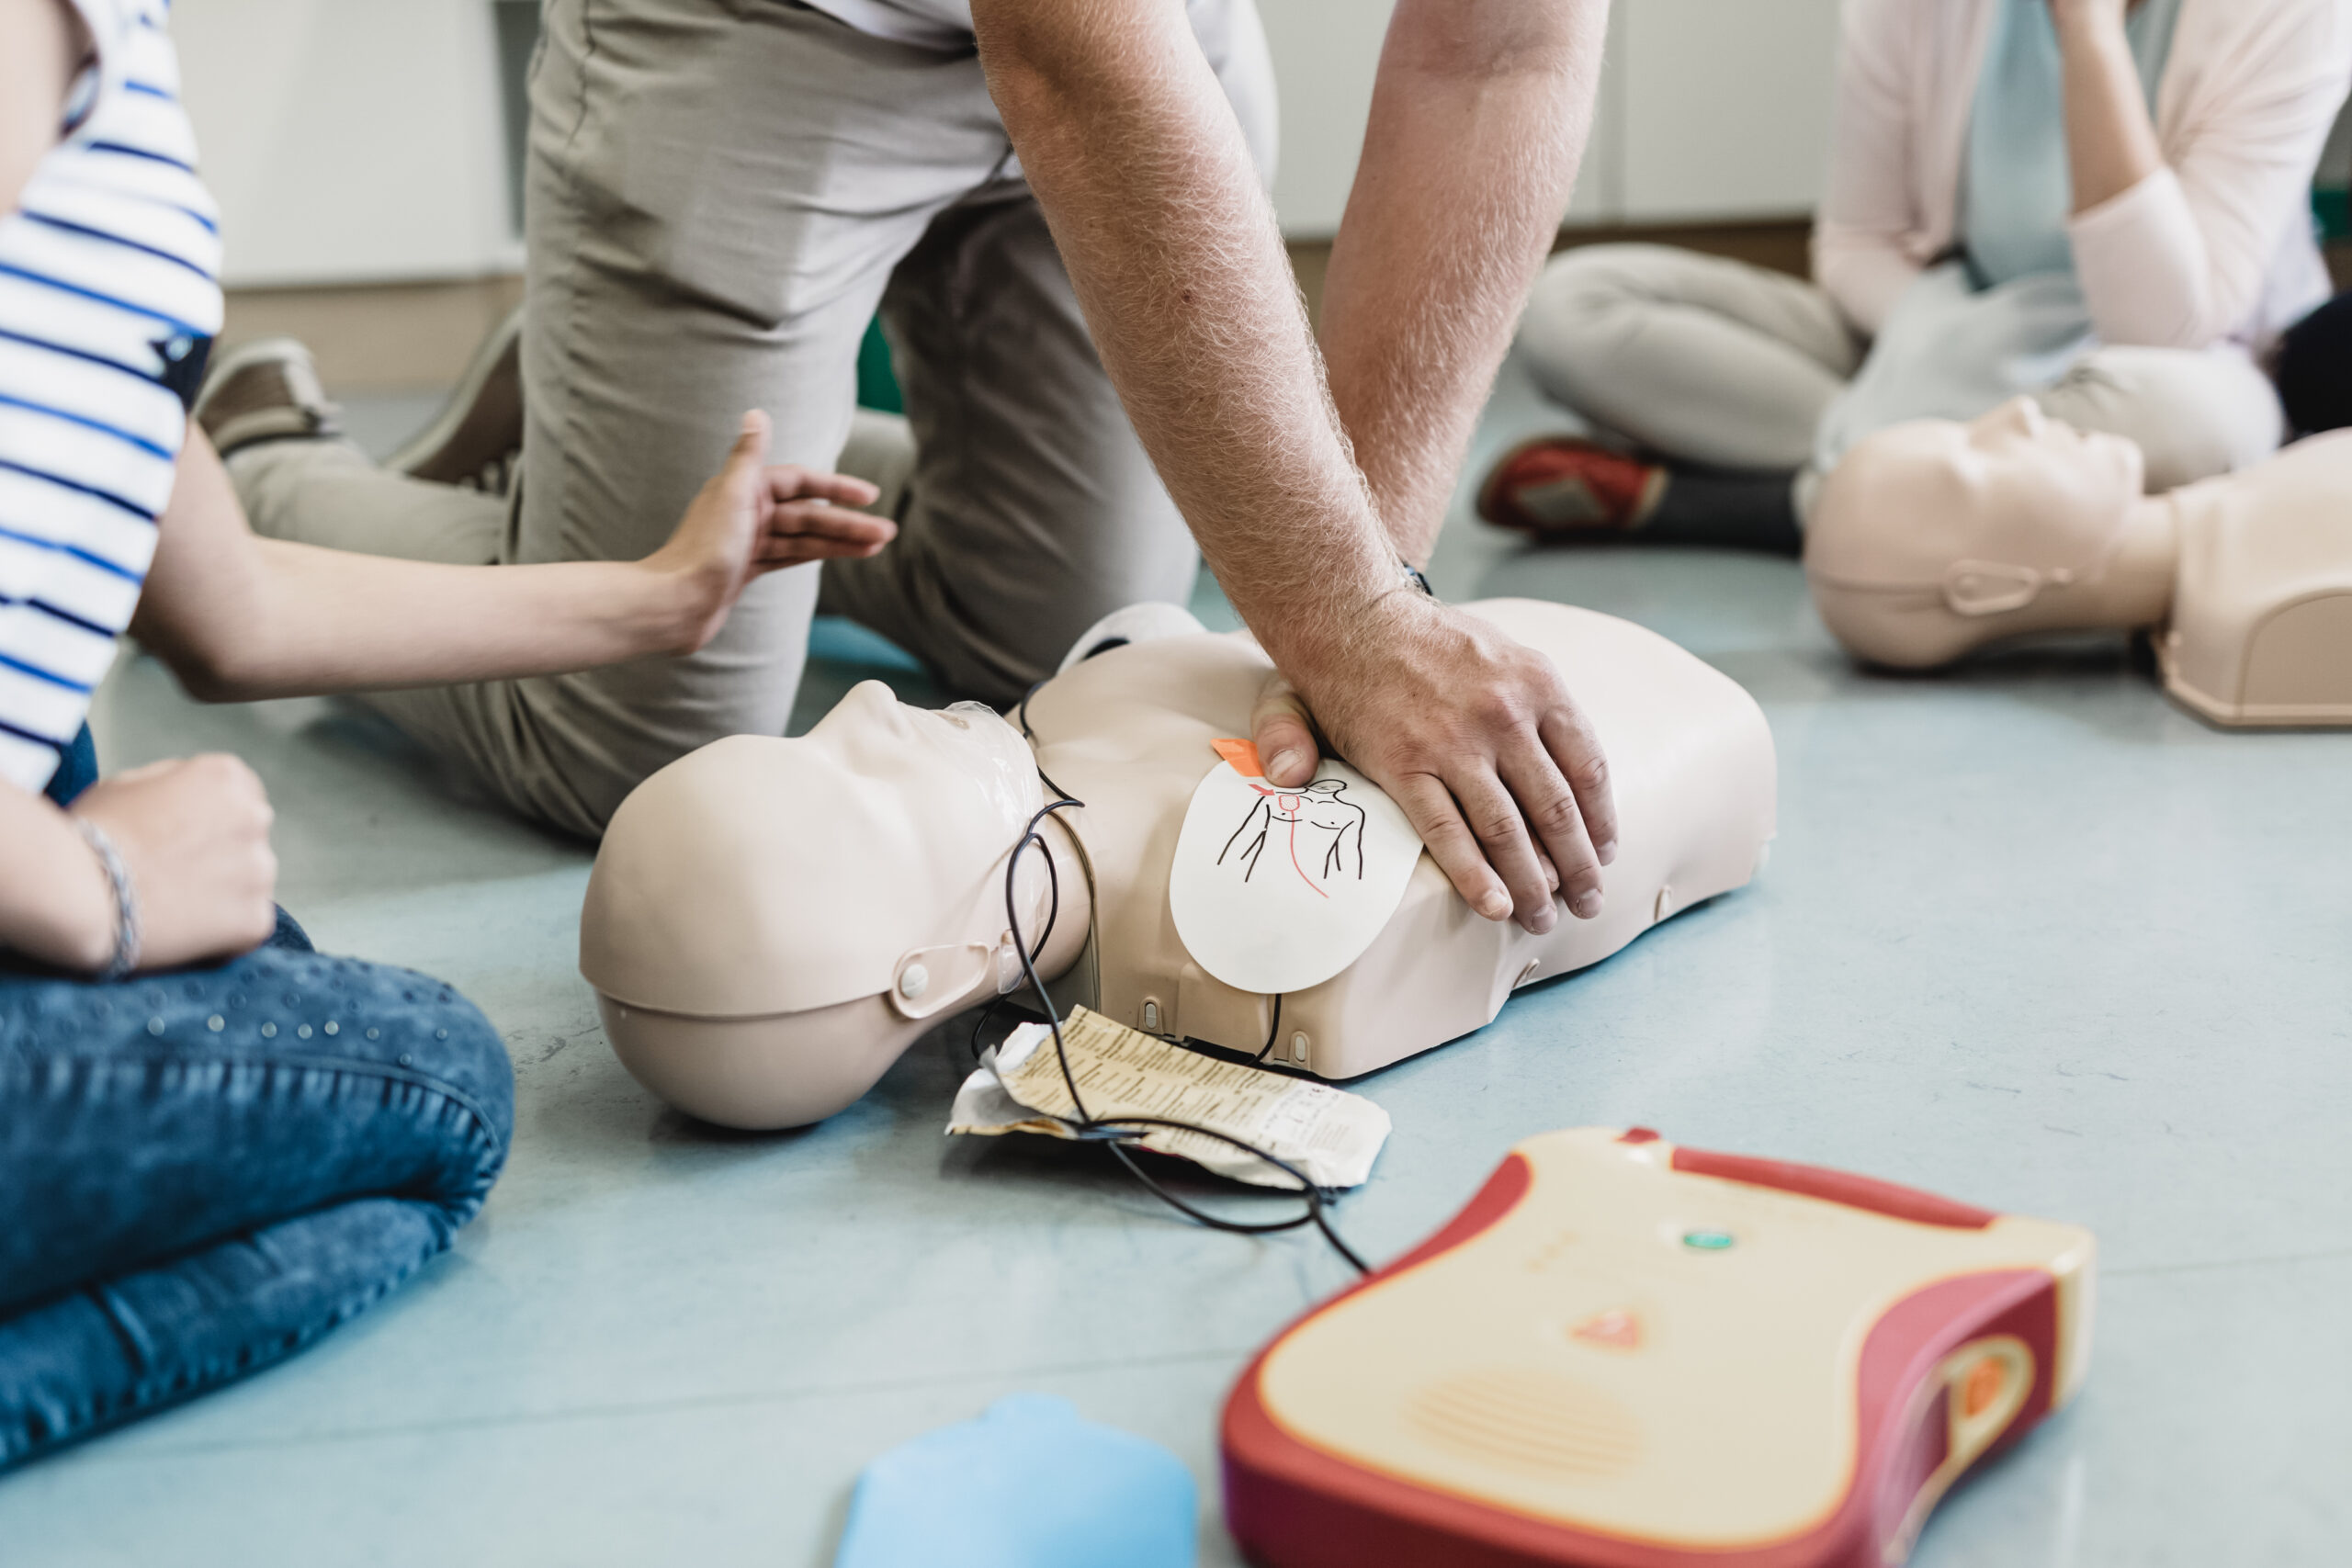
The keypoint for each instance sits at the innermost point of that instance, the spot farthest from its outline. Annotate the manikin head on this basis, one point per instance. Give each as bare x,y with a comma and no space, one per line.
770,922
1934,537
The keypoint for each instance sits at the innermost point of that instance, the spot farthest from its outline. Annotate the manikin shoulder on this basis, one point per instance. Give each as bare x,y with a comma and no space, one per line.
2275,531
2298,495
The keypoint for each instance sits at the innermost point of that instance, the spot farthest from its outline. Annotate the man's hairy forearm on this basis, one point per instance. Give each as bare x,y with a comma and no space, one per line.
1139,165
1478,121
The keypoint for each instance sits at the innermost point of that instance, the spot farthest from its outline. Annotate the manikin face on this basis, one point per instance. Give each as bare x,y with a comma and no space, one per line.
1927,529
2018,464
761,875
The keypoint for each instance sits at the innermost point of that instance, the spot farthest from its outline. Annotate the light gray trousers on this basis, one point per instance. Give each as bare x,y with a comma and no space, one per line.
719,194
1717,362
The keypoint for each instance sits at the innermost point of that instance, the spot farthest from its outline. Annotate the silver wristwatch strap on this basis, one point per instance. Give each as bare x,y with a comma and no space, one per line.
126,901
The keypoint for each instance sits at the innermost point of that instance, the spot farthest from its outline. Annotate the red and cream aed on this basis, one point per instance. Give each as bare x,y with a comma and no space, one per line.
1626,1354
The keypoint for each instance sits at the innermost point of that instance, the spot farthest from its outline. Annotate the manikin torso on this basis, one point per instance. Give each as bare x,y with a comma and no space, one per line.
2260,629
1935,538
755,957
1130,734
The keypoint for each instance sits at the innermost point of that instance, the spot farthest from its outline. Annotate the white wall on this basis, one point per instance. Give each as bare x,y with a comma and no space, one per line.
358,140
1708,109
349,141
1725,106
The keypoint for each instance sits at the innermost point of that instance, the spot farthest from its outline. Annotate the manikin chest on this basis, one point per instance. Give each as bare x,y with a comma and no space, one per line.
2261,625
1131,733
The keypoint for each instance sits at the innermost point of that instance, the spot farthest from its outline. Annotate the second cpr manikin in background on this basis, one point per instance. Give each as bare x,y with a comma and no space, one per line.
1934,538
771,922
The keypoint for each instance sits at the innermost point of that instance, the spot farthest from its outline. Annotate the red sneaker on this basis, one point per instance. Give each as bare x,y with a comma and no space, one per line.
1561,485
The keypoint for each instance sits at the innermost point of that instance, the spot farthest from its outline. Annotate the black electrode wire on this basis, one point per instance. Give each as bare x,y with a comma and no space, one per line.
1109,1129
1029,734
1275,1031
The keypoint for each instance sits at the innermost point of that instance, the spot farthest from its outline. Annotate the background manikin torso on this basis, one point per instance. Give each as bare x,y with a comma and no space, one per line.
746,833
2261,625
1933,540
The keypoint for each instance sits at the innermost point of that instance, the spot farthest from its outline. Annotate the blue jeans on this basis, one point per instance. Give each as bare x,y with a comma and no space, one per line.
203,1172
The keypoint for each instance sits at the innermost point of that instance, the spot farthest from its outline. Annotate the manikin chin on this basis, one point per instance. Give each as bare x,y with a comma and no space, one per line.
1933,538
770,922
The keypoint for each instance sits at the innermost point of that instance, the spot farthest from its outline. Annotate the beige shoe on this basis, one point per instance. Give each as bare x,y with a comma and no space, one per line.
477,438
266,391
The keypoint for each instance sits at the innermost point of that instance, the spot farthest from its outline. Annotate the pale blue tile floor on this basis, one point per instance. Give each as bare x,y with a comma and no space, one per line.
2030,936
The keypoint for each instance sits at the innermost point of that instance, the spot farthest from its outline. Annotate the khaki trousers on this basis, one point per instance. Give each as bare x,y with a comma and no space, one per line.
721,192
1717,362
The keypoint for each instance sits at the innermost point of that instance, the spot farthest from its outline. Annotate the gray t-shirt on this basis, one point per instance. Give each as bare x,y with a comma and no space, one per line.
938,23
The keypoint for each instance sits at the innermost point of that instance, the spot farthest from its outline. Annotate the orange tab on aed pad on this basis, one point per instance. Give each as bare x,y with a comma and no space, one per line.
1618,1329
1243,755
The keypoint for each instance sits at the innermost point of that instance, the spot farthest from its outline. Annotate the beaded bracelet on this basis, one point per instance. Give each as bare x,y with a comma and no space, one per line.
126,901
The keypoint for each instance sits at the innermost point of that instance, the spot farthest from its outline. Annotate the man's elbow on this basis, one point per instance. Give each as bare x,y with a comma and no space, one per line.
1444,40
1032,54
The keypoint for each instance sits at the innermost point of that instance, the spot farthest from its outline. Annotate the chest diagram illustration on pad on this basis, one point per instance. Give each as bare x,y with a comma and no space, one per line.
1276,890
1333,824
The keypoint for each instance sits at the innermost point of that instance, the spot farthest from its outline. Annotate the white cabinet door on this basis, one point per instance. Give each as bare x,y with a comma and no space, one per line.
1708,109
1325,54
1726,107
349,141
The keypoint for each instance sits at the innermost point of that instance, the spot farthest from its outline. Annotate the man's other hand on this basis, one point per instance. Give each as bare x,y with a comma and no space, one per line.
1477,737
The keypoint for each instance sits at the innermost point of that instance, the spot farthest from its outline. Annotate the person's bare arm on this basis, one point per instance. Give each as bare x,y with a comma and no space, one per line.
2110,141
54,905
238,617
1479,116
1141,168
193,835
42,42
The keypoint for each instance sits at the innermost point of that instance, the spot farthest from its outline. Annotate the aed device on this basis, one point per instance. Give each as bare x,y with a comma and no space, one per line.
1626,1354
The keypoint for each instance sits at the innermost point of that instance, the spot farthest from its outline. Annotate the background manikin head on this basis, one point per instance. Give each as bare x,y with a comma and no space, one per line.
769,922
1931,538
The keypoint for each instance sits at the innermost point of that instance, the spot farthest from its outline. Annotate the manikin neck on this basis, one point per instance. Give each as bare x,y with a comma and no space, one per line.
2136,589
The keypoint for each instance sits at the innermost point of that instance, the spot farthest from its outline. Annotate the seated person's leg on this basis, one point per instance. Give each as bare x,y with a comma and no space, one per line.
1689,357
216,1166
1033,510
2195,415
1716,371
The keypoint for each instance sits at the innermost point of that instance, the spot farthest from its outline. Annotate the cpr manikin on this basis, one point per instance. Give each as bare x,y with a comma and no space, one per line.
770,922
1934,538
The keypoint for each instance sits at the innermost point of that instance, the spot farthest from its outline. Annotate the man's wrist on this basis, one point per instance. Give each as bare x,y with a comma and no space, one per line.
1346,628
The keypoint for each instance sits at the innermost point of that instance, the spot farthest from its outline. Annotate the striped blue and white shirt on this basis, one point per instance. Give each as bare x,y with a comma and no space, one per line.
110,298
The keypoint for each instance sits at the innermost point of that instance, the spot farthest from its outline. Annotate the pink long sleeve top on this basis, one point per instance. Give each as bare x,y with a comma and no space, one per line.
2215,247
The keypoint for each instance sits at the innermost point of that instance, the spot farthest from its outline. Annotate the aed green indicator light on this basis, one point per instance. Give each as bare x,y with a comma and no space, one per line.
1707,1241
